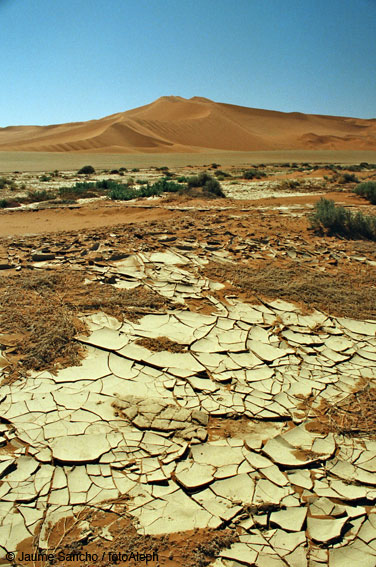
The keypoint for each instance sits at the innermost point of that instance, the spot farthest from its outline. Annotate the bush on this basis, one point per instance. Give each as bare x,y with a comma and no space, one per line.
208,184
45,177
165,186
86,170
213,187
7,182
367,190
36,196
4,203
253,174
331,220
222,174
76,191
348,178
123,193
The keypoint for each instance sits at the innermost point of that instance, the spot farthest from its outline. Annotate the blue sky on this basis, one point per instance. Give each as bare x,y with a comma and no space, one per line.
72,60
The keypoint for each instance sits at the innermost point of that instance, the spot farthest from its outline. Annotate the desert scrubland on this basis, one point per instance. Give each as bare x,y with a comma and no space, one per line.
188,339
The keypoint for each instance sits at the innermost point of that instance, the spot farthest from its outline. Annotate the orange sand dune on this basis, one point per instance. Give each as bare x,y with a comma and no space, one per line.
174,124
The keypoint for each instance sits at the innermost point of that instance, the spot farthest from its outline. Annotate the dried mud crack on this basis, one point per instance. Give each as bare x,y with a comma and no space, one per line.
201,394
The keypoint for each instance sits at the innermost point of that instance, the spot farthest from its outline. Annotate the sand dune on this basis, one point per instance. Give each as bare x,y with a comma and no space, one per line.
173,124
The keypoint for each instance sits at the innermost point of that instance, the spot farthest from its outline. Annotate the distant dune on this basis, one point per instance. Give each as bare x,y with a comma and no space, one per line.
173,124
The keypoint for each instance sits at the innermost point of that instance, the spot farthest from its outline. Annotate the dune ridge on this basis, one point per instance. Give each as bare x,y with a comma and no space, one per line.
172,124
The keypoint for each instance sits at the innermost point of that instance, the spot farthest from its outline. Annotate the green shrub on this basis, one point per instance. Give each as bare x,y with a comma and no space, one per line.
80,190
213,187
4,181
36,196
123,193
367,190
348,178
86,170
44,178
253,174
330,219
222,174
165,186
5,203
208,184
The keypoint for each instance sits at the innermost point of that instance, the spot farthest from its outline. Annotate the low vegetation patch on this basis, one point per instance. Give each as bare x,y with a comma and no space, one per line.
208,185
330,219
40,310
160,344
253,174
343,295
367,190
86,170
6,183
348,178
353,416
36,196
7,203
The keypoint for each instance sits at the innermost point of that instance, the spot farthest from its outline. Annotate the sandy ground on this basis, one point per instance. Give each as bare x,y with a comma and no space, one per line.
49,161
56,220
95,215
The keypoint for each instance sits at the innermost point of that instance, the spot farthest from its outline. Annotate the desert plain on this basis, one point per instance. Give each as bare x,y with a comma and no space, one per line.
187,378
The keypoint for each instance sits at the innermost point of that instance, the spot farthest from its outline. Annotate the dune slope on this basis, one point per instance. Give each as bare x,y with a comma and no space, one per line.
175,124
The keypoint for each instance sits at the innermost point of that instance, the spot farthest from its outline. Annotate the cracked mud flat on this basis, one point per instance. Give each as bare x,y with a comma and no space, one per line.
198,432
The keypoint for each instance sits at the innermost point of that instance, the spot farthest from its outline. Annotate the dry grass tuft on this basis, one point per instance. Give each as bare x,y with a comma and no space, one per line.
354,416
44,325
39,310
343,295
160,344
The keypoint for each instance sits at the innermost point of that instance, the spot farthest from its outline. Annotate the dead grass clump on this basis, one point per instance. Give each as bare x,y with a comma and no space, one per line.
39,309
222,428
354,416
344,295
160,344
121,303
44,324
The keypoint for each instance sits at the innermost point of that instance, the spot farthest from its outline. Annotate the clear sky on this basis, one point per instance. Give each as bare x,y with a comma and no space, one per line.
73,60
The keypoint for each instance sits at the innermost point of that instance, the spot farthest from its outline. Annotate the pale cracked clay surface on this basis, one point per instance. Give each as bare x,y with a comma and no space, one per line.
220,432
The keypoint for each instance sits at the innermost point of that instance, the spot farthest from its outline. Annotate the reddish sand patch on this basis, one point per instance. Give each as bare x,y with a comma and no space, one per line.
96,215
55,220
